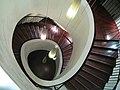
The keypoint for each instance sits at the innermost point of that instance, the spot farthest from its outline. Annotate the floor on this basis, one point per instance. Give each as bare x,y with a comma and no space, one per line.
41,65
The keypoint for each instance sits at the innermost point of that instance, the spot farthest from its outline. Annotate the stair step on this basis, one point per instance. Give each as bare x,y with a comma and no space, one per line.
101,67
69,86
22,32
107,88
27,30
77,85
81,85
103,52
18,38
101,61
87,82
111,82
113,79
93,79
30,31
114,76
69,47
89,72
73,83
105,47
115,73
112,44
110,85
116,69
110,61
98,69
33,31
96,72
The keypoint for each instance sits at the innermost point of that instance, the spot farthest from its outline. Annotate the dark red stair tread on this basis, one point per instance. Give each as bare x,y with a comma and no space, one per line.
109,60
92,78
96,72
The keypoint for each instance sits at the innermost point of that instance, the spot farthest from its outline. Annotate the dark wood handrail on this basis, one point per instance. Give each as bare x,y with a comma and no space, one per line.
103,40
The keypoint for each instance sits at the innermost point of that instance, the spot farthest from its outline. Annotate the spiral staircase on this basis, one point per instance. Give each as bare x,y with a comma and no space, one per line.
98,68
32,31
101,59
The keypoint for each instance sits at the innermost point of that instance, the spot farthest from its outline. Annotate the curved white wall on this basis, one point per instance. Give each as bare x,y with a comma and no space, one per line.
38,44
81,29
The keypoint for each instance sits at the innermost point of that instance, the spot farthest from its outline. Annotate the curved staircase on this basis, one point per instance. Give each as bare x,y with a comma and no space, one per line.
101,60
32,30
96,70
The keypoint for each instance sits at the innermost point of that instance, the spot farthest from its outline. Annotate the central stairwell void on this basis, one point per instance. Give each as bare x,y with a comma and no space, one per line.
35,59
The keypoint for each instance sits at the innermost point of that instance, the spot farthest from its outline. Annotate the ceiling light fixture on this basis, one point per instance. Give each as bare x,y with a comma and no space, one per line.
72,11
52,54
43,35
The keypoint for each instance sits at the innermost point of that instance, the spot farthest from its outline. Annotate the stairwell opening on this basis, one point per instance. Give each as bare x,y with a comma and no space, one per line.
30,49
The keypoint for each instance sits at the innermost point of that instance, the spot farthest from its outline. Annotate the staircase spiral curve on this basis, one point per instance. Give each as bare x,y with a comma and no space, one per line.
81,30
28,31
99,64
